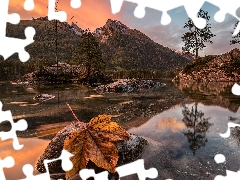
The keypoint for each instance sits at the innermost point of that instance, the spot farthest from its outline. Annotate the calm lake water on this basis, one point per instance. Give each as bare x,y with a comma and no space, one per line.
182,124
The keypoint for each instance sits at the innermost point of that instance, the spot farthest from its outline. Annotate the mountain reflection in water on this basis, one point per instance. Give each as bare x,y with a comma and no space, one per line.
183,139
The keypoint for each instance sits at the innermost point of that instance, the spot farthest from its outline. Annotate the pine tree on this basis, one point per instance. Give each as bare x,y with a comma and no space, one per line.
195,38
88,53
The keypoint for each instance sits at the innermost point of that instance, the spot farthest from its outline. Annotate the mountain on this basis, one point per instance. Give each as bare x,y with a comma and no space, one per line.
44,46
123,48
223,67
189,56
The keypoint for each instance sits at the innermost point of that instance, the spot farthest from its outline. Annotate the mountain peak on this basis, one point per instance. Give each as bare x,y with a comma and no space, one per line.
110,28
77,30
115,24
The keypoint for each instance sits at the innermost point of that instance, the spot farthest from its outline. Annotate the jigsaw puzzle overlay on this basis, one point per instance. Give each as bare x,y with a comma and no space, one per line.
136,167
9,46
20,125
66,165
6,47
191,7
7,162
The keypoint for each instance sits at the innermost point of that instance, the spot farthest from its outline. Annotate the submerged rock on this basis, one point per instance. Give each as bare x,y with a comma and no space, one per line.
128,151
43,97
127,86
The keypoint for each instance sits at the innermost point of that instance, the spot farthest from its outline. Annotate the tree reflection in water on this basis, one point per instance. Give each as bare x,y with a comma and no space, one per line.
197,127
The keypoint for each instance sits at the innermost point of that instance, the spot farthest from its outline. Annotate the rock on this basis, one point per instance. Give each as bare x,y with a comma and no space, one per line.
221,68
43,97
127,86
128,151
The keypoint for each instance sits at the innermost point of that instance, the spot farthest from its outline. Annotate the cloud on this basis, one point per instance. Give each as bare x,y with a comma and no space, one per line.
223,32
91,14
169,36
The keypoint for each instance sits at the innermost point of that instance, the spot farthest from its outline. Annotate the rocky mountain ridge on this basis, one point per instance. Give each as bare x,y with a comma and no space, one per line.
126,48
189,56
123,48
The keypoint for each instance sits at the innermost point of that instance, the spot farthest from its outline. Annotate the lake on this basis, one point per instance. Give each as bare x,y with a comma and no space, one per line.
182,124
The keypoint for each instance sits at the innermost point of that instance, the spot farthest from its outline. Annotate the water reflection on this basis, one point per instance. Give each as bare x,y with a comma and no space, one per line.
212,93
171,124
235,132
29,154
197,127
171,149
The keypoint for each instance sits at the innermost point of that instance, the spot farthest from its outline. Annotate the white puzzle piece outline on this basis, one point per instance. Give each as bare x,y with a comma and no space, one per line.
7,162
7,49
236,88
66,166
230,175
136,167
191,7
20,125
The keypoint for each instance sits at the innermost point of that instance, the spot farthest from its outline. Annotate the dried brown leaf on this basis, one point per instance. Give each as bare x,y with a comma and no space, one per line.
96,143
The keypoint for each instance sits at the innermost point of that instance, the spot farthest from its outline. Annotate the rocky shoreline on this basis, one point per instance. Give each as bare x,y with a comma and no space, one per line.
64,73
222,68
127,86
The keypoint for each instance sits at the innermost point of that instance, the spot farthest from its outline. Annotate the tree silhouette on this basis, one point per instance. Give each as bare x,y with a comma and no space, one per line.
195,38
236,39
88,53
197,127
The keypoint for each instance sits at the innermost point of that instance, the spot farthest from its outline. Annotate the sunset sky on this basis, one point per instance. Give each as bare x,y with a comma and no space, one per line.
94,13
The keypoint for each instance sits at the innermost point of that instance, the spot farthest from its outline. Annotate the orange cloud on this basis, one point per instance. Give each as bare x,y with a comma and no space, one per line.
92,13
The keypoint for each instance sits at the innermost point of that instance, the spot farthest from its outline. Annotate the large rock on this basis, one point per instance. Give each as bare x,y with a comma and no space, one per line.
127,86
128,151
220,68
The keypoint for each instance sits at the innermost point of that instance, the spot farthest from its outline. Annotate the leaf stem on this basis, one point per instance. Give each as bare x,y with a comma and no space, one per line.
84,126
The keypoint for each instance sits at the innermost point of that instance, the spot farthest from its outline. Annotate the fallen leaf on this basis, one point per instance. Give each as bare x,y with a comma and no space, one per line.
95,143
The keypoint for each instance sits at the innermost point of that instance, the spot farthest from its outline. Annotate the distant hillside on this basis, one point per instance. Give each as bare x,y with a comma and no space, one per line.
44,45
123,48
189,56
225,67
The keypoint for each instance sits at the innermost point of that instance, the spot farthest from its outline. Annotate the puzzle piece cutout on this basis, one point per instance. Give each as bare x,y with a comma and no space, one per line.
229,7
29,5
20,125
230,175
191,7
230,125
75,4
236,88
136,167
8,162
66,166
6,46
60,15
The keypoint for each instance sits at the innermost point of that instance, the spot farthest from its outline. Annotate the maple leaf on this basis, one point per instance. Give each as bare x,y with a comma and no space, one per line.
95,143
